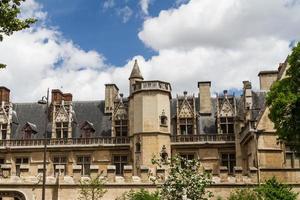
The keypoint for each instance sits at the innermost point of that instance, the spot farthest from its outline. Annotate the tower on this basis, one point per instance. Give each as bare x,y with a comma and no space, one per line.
149,113
135,76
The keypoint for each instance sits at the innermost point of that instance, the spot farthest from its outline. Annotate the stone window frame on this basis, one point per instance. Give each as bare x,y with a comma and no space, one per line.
123,128
60,162
3,130
227,123
85,164
18,164
228,160
62,130
187,125
295,157
120,163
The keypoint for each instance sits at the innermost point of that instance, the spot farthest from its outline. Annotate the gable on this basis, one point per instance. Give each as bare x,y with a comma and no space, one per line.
226,109
61,115
186,110
3,116
121,111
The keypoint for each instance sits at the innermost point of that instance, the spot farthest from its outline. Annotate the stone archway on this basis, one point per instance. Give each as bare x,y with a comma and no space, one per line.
12,195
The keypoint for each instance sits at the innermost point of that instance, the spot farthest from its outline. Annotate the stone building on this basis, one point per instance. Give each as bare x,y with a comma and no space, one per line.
231,135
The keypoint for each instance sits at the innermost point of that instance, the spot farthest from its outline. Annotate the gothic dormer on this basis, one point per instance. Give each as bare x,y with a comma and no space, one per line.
5,113
29,130
186,115
226,112
61,114
120,117
87,130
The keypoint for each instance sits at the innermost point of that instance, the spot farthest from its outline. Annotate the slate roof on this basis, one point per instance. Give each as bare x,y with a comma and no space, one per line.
93,112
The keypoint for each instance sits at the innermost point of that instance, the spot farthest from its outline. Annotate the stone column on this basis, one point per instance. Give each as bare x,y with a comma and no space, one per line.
111,173
127,173
94,169
223,173
77,173
238,173
253,174
144,171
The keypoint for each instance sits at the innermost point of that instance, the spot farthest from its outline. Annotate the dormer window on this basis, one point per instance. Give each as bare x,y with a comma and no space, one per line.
28,130
227,125
87,130
121,127
3,130
62,130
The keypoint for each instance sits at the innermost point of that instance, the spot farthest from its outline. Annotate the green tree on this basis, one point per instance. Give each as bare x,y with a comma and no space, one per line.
274,190
92,189
244,194
9,21
284,100
184,180
139,195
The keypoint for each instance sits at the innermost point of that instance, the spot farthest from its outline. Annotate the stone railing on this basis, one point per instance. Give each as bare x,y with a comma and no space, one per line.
67,141
152,85
207,138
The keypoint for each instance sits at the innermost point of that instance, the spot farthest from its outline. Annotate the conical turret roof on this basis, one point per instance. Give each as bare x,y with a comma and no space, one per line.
136,73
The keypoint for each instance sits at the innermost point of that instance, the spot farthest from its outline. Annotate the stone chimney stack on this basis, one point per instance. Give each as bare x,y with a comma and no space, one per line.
111,93
59,97
247,92
266,79
204,97
4,94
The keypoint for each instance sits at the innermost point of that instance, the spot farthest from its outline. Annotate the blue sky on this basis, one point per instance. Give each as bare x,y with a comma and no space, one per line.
80,45
93,27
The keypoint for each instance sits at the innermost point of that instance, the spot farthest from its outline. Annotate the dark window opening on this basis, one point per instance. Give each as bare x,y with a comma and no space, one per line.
85,162
3,130
138,147
60,160
121,128
228,160
185,157
62,130
120,162
19,162
186,126
227,125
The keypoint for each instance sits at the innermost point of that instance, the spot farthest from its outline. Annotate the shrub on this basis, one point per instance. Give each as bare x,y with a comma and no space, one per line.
244,194
139,195
274,190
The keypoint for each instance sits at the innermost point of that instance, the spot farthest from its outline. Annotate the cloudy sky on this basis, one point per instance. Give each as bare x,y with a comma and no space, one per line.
78,46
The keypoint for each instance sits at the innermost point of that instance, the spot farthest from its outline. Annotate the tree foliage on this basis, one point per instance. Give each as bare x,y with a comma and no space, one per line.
270,190
244,194
9,21
185,179
274,190
139,195
284,100
92,188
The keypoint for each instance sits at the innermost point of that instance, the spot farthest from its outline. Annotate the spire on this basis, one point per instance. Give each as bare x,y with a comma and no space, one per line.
136,73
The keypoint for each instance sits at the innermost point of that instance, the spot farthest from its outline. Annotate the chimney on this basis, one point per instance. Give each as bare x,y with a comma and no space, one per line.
4,94
58,96
204,97
247,90
267,78
111,93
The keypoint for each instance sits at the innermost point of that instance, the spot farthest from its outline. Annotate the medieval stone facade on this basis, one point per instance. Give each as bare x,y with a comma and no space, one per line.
231,135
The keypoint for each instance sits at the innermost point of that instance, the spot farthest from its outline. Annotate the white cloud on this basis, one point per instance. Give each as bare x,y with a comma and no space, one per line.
125,13
144,4
221,24
108,4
